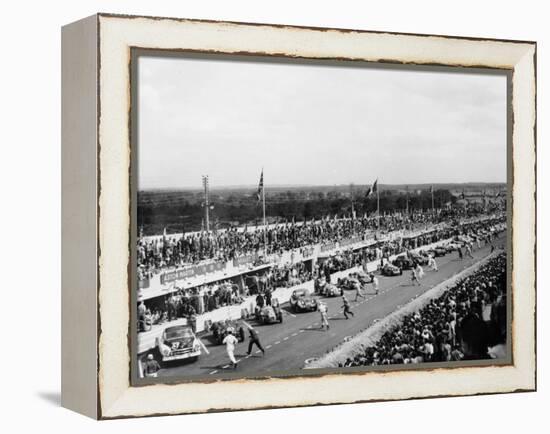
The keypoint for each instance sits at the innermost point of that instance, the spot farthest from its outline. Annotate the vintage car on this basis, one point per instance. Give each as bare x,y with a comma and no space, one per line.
349,283
363,277
453,246
220,330
302,301
269,314
403,262
391,270
419,257
320,284
178,343
437,251
331,290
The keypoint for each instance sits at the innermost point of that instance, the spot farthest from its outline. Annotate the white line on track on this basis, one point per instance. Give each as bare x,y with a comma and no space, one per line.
285,338
277,343
214,371
268,347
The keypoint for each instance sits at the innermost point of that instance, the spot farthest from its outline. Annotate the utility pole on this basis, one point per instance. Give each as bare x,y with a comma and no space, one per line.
352,204
206,186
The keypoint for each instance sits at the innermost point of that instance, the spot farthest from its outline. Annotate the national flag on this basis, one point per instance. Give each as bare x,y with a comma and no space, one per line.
372,189
261,186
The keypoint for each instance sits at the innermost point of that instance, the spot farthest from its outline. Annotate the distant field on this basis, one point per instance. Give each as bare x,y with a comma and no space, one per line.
183,210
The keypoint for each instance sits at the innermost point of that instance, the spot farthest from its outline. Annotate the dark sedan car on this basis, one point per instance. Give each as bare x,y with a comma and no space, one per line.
403,262
302,301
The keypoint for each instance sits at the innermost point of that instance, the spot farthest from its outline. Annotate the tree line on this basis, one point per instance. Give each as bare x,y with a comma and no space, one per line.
157,210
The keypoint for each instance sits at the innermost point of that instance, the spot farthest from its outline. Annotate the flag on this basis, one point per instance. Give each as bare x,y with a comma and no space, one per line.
372,189
261,186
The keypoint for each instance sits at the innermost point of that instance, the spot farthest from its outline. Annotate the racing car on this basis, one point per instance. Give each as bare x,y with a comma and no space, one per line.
269,314
363,277
320,284
220,329
348,283
419,257
391,270
178,343
437,251
302,301
403,262
331,290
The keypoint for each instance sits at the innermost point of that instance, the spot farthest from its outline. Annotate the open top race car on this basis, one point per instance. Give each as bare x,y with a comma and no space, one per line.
320,284
302,301
437,251
220,329
330,290
362,277
403,262
269,314
177,343
349,283
419,257
391,270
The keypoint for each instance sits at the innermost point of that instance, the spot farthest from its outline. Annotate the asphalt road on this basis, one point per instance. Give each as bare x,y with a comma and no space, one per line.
300,336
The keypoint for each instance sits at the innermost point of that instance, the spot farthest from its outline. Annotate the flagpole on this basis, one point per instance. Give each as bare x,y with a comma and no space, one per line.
433,210
378,203
265,226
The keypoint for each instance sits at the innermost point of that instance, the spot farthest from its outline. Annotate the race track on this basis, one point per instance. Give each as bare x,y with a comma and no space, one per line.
300,336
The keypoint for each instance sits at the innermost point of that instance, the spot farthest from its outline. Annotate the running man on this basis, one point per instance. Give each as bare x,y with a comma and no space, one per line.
469,251
359,292
230,341
347,308
419,271
374,281
432,264
323,310
253,339
414,277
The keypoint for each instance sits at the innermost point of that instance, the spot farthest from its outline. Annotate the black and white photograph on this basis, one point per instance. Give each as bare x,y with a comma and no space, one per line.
295,216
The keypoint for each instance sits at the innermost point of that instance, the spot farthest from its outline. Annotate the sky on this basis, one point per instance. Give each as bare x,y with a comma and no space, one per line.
315,124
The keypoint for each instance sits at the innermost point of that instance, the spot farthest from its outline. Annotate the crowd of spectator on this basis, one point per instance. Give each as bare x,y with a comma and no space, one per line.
467,322
186,302
160,253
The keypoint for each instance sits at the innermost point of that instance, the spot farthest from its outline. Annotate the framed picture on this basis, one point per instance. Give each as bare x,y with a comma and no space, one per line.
262,216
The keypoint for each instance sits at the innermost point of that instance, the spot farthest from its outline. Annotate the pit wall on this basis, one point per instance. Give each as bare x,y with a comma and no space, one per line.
146,340
371,335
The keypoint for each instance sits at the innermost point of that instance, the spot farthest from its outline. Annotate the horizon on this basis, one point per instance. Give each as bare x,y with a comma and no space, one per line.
347,185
